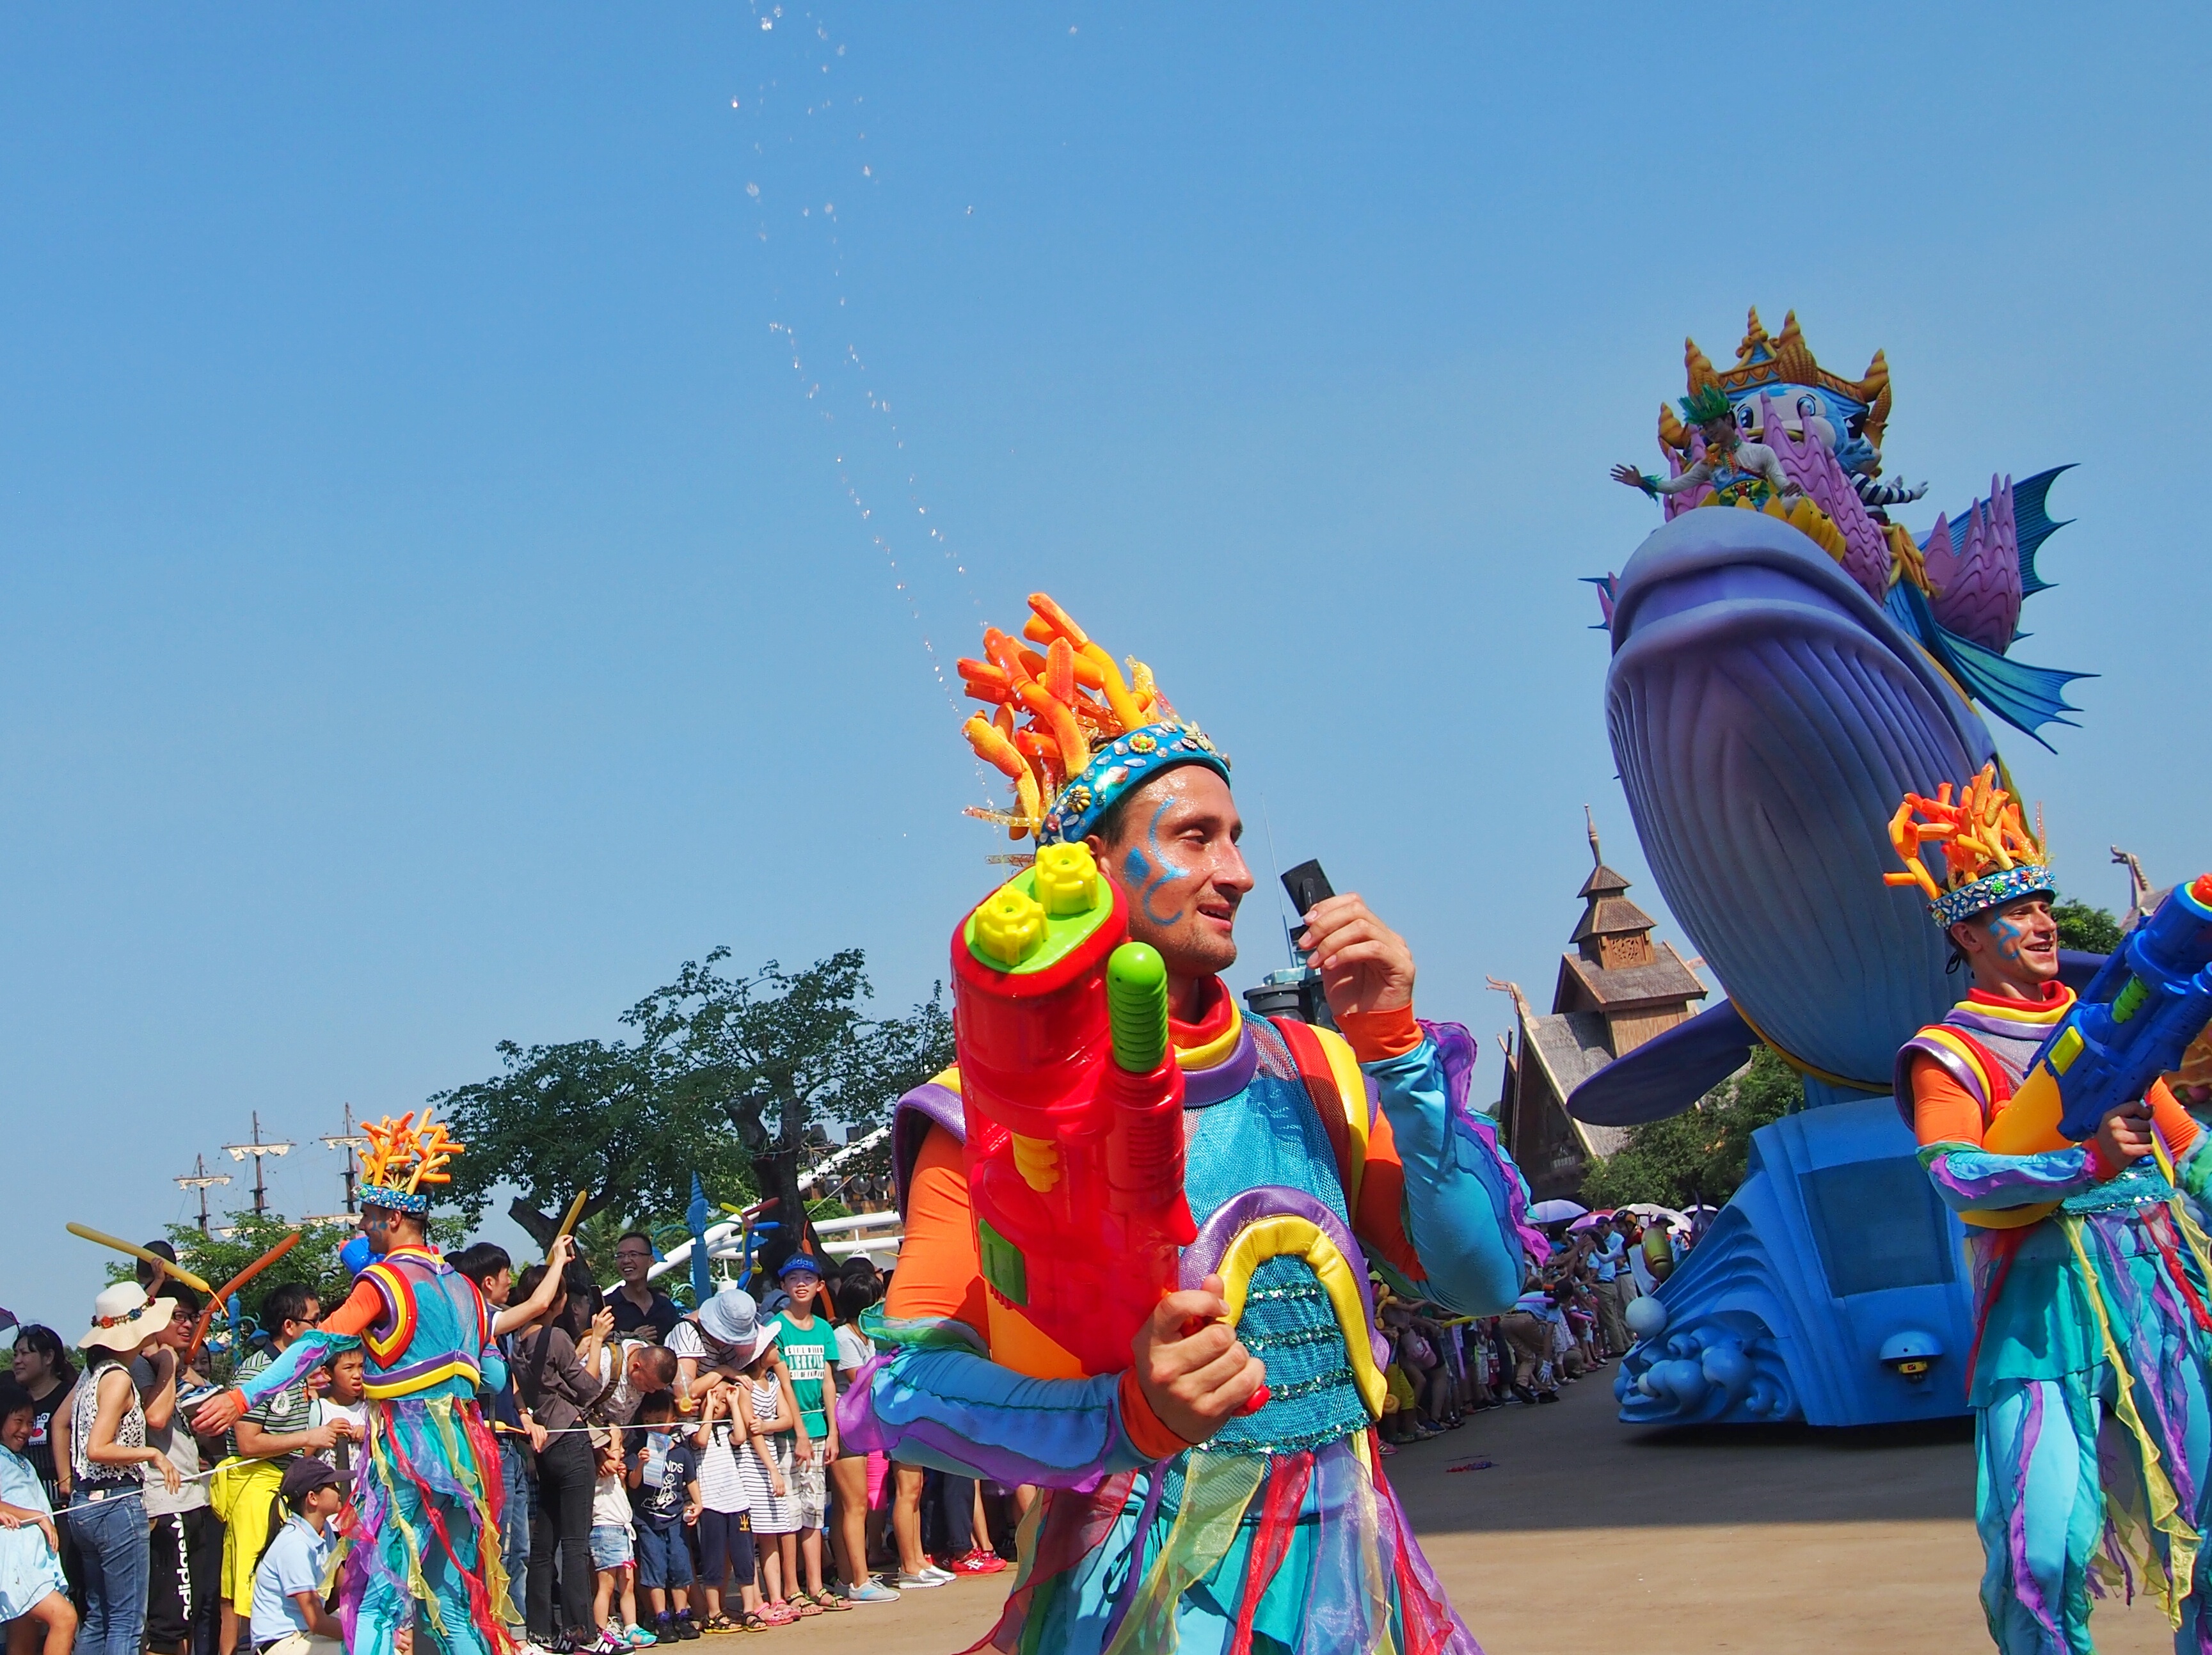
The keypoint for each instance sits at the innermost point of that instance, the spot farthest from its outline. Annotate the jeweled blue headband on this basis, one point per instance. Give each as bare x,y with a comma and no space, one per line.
399,1201
1990,891
1128,762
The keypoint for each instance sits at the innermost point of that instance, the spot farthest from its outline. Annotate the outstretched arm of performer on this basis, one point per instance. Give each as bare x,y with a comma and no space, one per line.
1946,1120
942,1402
339,1331
1438,1199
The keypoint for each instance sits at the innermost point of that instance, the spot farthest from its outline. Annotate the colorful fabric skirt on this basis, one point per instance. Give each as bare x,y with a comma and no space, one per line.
425,1532
1226,1554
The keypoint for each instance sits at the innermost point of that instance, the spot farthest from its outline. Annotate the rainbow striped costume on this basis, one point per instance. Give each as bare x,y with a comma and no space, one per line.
1281,1534
427,1498
2092,1300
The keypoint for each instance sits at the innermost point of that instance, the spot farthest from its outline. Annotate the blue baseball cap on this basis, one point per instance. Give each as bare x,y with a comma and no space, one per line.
799,1262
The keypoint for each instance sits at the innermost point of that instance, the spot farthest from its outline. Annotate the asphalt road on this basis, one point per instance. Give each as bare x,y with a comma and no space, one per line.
1583,1535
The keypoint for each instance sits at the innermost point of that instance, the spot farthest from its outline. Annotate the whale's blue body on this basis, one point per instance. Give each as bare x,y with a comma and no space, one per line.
1767,714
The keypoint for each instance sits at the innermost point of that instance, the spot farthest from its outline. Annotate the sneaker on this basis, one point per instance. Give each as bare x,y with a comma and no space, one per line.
978,1562
682,1626
872,1592
928,1577
612,1641
639,1638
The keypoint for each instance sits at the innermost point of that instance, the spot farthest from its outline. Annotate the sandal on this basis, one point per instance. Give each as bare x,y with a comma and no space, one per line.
752,1622
830,1601
718,1623
803,1607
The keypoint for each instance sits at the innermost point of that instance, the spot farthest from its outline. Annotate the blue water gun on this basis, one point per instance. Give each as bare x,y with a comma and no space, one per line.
2132,1024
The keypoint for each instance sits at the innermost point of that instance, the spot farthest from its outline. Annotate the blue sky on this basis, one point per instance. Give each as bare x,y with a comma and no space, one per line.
437,599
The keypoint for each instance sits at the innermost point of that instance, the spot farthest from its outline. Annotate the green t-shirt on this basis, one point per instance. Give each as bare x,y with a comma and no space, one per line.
809,1353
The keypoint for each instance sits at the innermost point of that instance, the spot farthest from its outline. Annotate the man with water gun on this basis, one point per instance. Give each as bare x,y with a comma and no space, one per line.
2045,1123
1139,1226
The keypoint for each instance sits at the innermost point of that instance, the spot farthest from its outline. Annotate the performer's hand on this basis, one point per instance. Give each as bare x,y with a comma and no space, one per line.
1195,1383
1629,475
2125,1138
1364,966
219,1413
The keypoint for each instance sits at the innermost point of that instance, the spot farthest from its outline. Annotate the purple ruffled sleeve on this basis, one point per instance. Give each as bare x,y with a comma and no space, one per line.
935,1399
1467,1204
1972,1179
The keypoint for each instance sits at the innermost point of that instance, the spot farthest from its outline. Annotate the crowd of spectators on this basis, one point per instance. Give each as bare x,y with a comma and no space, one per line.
1571,1320
665,1473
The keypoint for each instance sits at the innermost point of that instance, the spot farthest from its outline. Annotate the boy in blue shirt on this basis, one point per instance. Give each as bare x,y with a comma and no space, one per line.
288,1582
663,1472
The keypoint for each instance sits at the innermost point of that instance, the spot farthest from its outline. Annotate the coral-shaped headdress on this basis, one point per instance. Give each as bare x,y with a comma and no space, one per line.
401,1158
1070,732
1989,856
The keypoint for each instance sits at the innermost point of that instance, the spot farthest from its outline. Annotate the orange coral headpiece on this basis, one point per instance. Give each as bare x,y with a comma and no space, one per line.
1089,733
1989,856
402,1156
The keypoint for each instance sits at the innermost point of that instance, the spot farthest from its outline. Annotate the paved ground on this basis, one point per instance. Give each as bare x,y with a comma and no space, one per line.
1584,1535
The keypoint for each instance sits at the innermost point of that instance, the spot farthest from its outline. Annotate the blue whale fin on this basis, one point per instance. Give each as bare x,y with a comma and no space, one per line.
2032,525
1668,1072
2026,697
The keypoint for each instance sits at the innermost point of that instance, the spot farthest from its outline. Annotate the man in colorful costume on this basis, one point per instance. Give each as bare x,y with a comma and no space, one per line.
1178,1515
426,1523
2090,1271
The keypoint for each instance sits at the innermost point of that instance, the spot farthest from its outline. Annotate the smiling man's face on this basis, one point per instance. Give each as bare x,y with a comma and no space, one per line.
1174,857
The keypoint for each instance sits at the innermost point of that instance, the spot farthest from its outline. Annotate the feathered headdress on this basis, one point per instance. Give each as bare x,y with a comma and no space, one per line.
1707,403
1070,732
402,1157
1989,856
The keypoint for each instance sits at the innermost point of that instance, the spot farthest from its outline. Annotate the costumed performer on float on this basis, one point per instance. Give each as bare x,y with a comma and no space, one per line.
428,1491
1177,1515
2090,1272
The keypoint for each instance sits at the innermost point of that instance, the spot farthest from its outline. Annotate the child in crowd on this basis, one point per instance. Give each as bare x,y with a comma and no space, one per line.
32,1588
614,1551
340,1401
726,1527
808,1345
663,1474
765,1465
292,1576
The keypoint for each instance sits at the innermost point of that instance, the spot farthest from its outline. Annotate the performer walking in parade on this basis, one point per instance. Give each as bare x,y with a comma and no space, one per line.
426,1550
1214,1484
2090,1272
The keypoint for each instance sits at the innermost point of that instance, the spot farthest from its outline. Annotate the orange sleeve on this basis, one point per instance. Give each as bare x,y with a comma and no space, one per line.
1153,1439
359,1312
1943,1112
2175,1124
1375,1035
1379,1220
939,1275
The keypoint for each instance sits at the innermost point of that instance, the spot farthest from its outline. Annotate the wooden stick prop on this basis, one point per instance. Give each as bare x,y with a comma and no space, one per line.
207,1312
142,1254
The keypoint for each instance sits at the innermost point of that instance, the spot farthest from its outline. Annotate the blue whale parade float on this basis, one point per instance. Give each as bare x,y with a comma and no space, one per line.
1787,662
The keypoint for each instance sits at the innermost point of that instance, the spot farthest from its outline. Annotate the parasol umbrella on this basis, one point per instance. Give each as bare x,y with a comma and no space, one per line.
1587,1221
1556,1212
1652,1209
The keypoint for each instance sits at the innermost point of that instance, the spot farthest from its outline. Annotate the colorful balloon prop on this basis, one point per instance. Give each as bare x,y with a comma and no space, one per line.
167,1266
228,1291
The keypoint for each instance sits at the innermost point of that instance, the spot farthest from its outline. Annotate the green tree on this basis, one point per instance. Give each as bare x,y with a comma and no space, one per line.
2081,925
1701,1154
780,1052
621,1121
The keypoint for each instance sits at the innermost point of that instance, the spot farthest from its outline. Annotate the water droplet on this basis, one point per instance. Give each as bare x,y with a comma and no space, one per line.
752,189
868,172
733,103
766,24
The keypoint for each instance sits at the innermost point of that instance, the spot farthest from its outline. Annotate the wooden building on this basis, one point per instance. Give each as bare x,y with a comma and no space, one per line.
1617,988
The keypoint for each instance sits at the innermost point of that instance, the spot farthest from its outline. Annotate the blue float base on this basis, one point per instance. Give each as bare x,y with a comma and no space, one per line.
1833,1273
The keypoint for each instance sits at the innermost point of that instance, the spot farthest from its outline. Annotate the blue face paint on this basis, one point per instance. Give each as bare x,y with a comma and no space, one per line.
2006,935
1168,870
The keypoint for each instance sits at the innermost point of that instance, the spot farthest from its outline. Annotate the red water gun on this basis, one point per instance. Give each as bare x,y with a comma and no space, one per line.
1074,1099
